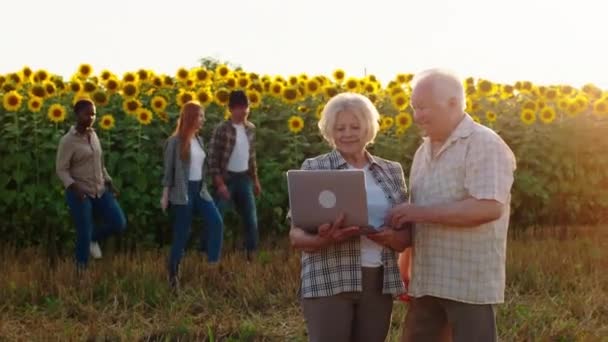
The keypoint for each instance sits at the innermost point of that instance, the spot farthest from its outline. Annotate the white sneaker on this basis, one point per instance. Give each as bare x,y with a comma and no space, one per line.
95,250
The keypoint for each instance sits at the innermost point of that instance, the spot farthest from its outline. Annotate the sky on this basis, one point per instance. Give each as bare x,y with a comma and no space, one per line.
544,41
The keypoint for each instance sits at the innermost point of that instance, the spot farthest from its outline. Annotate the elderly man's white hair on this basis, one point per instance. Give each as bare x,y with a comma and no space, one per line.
445,83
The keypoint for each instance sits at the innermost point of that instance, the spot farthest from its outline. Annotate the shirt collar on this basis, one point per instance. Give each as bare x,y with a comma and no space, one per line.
340,163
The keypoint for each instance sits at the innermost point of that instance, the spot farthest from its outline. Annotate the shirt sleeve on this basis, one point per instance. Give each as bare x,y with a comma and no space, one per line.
62,163
489,168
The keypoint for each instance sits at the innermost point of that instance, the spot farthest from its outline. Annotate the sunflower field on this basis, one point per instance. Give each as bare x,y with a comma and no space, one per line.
559,134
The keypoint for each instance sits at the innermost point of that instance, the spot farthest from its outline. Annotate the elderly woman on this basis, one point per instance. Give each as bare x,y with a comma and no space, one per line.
349,279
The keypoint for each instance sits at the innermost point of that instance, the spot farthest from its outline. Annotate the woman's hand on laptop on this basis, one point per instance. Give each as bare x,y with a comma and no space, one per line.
335,232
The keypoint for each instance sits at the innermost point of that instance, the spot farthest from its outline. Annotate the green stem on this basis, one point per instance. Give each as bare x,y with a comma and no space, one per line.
17,152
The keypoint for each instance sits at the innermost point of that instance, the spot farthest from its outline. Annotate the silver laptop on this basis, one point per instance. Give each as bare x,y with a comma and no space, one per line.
318,196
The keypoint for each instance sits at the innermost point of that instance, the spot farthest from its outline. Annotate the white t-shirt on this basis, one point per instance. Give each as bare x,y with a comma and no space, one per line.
197,158
239,159
377,208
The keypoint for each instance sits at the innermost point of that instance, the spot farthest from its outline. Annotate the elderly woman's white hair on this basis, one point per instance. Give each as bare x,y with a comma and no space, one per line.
446,84
359,105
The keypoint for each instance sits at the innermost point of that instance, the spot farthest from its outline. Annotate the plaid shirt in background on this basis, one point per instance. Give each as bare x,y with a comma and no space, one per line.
337,268
462,264
221,145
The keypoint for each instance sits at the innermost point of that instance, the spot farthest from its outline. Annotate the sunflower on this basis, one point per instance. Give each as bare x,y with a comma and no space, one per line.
566,90
190,83
106,75
56,113
243,82
369,87
201,75
551,94
280,79
107,122
168,81
257,86
222,70
319,112
84,71
184,97
526,86
8,86
221,96
531,105
527,116
600,107
485,88
547,114
100,97
157,81
563,104
143,75
89,87
255,98
293,80
49,88
129,77
491,116
144,116
34,104
400,101
158,103
131,106
403,120
37,90
130,90
230,82
352,84
163,116
204,96
339,75
290,94
12,101
27,73
295,124
592,90
41,75
276,88
112,85
404,78
313,86
386,122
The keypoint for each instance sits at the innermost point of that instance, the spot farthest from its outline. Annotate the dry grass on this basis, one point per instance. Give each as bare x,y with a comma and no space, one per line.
557,291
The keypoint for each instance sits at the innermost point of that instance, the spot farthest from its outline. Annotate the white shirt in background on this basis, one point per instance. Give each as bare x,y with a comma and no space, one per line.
239,159
197,158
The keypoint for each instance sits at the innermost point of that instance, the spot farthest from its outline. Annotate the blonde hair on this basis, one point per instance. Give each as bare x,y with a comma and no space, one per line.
359,105
445,83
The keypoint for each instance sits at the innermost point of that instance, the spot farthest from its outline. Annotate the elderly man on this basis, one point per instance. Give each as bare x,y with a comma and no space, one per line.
460,184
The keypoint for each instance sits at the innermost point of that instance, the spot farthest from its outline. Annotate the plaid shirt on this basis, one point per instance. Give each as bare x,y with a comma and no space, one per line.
176,172
337,268
462,264
221,145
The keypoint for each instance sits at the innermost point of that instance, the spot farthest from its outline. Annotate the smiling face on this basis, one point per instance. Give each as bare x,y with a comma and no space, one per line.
348,133
434,108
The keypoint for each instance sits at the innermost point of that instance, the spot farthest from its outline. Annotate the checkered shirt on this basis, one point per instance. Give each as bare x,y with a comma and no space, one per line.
462,264
337,268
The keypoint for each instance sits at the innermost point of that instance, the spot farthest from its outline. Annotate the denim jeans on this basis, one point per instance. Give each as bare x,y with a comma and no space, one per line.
240,187
211,236
84,211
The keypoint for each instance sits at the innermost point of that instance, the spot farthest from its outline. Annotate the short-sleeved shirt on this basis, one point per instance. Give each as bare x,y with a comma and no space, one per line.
337,268
462,264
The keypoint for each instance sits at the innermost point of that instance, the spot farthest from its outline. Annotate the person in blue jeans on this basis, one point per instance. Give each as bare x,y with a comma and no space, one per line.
233,166
89,191
185,190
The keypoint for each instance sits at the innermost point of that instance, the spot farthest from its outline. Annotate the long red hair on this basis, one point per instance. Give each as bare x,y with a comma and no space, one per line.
186,127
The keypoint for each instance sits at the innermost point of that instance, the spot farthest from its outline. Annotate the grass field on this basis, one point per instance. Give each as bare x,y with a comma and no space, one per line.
557,290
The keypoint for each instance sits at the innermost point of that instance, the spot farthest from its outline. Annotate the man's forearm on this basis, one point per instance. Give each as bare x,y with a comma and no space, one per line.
465,213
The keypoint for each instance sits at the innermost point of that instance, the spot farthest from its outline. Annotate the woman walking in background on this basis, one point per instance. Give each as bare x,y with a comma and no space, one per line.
185,189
